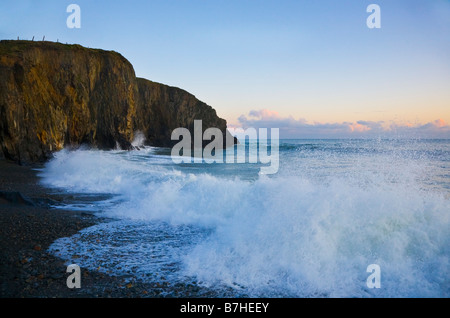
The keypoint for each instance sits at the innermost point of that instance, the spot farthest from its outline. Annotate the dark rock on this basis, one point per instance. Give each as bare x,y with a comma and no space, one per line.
163,108
55,96
15,198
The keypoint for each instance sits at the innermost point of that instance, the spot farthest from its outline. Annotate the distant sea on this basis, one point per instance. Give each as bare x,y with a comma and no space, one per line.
310,230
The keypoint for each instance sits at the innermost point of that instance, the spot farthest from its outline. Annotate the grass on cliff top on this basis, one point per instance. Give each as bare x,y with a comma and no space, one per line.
17,47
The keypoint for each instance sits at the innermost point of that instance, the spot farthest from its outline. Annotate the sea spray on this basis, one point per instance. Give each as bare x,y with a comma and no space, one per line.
311,230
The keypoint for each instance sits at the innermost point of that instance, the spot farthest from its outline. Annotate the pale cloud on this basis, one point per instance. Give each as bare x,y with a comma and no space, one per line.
301,128
357,127
264,114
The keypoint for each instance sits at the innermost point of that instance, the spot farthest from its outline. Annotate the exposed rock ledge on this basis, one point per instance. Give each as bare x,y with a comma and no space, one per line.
55,95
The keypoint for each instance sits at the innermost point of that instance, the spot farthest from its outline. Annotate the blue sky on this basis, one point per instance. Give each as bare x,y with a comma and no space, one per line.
313,63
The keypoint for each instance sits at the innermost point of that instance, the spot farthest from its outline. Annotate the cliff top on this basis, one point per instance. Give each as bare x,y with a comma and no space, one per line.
17,47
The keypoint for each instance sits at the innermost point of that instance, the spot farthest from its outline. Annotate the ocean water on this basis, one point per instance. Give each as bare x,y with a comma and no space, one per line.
311,230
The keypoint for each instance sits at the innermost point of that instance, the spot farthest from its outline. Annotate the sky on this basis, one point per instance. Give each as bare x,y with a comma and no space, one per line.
310,68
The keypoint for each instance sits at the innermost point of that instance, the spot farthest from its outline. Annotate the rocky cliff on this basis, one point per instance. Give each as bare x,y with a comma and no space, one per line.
55,95
163,108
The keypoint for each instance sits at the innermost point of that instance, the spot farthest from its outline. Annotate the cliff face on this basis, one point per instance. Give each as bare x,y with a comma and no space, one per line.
163,108
54,95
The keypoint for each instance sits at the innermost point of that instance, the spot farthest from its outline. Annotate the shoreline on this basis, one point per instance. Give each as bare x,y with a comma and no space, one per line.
29,225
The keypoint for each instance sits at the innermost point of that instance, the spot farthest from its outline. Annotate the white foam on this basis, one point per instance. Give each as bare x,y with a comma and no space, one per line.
139,139
289,235
298,239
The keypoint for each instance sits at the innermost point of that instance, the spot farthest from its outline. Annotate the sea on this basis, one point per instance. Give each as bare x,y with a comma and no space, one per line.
333,211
